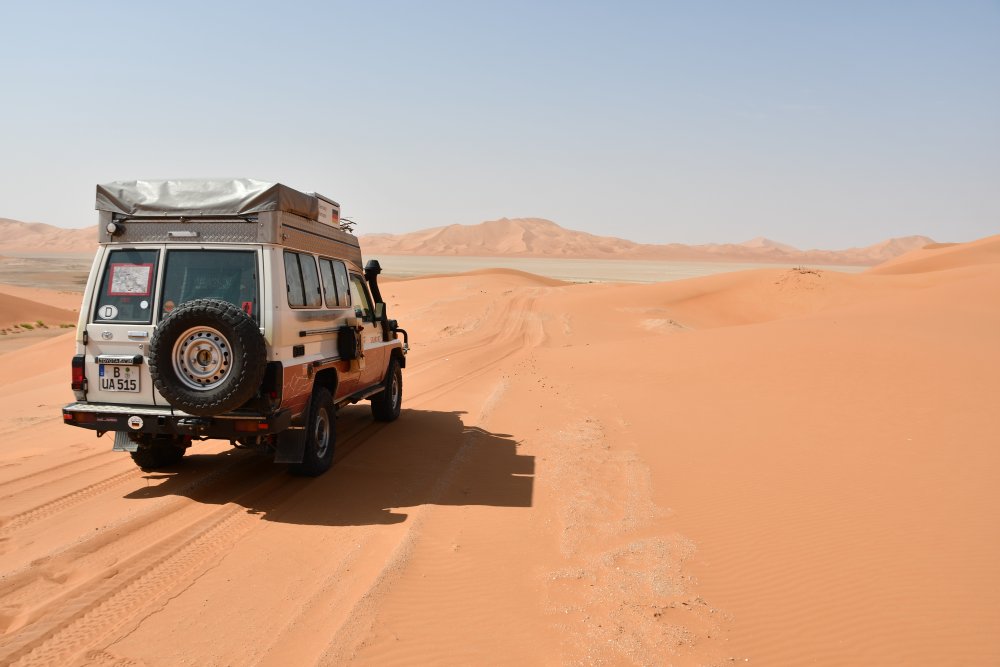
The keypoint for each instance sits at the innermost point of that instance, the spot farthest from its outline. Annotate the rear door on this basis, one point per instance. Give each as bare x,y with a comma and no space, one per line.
120,325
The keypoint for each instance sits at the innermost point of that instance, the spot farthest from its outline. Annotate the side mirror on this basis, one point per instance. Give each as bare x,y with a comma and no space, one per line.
379,310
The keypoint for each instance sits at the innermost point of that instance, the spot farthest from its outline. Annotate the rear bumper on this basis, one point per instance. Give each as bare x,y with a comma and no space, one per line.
102,417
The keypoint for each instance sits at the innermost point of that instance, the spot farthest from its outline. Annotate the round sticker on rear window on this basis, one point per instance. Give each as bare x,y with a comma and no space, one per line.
107,312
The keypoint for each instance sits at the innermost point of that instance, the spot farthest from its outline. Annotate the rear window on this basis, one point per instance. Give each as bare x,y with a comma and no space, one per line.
230,275
126,294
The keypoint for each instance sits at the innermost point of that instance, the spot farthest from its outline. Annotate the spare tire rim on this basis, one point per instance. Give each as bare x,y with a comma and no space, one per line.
322,433
202,358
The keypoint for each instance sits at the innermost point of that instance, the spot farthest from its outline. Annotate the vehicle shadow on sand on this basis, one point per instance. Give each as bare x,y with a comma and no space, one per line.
424,458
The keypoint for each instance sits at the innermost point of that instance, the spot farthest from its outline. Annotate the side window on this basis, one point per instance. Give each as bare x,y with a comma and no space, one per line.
310,281
127,287
340,275
334,283
302,280
359,296
293,279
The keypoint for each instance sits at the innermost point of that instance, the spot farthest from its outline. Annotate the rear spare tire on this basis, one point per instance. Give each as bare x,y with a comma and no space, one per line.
207,357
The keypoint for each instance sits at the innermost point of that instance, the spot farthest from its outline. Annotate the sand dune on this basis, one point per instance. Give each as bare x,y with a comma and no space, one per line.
536,237
942,256
780,467
16,310
16,236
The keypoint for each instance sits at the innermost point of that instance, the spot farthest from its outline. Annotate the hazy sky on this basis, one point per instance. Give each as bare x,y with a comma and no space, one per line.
820,124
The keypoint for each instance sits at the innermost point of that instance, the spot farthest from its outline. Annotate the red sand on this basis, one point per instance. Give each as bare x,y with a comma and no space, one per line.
784,467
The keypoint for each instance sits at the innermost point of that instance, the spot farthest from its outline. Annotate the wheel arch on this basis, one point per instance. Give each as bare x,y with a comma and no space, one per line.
328,379
397,354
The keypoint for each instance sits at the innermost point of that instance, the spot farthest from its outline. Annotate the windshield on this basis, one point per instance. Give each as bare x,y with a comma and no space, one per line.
230,275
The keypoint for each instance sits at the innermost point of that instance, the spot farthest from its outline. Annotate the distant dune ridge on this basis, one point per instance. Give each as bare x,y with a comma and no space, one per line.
16,236
536,237
515,237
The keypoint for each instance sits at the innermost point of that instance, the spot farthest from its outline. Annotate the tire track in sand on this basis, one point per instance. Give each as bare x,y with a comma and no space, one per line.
334,621
26,593
138,584
509,320
21,519
517,332
128,590
57,472
68,624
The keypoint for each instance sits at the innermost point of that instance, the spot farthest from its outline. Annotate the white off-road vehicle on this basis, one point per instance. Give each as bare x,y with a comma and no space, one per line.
229,309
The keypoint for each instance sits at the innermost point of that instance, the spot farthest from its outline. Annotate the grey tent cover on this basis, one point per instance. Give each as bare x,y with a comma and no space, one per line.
191,197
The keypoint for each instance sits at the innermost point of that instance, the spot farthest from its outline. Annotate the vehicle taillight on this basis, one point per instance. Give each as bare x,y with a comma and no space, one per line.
79,379
80,417
250,425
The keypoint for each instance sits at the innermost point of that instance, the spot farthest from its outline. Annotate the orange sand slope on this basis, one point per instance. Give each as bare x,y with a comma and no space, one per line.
785,467
63,300
17,310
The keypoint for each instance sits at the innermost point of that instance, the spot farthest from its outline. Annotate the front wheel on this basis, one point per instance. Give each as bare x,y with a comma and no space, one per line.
321,436
386,403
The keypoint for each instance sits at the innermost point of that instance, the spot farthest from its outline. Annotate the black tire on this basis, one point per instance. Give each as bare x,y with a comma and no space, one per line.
386,404
233,350
158,452
321,436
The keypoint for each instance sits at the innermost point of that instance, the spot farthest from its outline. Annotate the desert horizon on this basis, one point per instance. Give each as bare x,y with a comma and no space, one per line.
680,349
513,238
773,466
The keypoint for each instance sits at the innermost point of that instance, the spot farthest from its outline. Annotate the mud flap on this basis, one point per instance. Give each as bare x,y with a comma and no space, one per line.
291,447
123,443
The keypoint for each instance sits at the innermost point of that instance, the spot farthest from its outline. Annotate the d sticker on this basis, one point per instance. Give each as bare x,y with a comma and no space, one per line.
107,312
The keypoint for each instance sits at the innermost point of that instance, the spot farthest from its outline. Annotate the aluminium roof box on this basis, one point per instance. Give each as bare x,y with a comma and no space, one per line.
211,197
227,211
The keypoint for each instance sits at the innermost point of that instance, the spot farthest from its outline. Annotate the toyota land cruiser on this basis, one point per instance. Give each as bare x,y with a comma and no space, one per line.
229,309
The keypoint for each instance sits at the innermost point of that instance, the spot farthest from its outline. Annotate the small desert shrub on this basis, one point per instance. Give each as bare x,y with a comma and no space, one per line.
27,325
67,326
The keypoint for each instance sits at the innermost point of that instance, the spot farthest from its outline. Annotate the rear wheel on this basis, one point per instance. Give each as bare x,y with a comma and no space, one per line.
158,452
386,404
321,436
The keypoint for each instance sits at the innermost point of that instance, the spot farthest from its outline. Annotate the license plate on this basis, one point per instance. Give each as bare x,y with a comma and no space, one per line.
119,378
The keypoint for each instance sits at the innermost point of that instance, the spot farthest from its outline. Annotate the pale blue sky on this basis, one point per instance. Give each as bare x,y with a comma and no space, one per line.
820,124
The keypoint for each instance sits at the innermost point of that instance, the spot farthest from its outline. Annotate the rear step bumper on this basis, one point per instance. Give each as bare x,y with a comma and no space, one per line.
164,421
